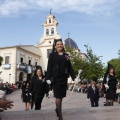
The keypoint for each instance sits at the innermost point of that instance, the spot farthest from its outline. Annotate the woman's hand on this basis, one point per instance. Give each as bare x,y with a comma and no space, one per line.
48,82
106,86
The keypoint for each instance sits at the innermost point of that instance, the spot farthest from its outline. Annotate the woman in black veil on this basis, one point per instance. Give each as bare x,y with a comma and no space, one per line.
110,83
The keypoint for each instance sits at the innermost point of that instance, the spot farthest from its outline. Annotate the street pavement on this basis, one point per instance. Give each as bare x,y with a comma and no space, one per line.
75,107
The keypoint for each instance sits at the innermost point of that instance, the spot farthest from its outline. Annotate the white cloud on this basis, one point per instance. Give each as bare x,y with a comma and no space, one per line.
15,7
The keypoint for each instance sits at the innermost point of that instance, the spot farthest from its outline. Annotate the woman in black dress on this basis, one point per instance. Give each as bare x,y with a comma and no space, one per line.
38,88
110,83
26,95
58,70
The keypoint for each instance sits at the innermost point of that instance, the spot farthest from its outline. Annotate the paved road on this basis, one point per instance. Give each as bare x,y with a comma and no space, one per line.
75,107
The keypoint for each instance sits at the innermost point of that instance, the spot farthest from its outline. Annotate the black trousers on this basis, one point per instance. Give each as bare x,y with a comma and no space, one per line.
38,104
94,102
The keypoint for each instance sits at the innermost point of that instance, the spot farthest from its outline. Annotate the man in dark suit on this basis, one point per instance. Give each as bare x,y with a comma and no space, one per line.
93,94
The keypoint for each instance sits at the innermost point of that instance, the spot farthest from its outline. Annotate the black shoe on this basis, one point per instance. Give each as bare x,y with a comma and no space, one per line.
1,110
32,104
57,112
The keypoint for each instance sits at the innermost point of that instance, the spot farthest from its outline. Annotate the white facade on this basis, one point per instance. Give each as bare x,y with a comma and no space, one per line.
12,68
47,39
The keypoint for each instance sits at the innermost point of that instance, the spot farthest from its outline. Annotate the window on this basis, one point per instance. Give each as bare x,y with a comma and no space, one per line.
21,60
52,31
49,20
7,59
29,63
47,32
48,52
35,63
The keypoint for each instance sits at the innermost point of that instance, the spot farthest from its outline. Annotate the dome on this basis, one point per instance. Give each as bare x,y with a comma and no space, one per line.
70,43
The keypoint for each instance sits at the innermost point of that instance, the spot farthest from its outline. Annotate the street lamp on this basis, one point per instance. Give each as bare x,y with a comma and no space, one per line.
9,77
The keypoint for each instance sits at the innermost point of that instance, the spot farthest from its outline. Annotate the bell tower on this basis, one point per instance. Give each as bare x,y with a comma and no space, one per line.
46,41
50,30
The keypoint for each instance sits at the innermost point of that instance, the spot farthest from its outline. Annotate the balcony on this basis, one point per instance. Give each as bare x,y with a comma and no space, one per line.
30,69
6,66
26,68
21,66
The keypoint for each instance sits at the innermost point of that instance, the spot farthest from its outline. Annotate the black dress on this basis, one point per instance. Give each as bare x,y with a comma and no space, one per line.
26,95
112,82
59,68
38,88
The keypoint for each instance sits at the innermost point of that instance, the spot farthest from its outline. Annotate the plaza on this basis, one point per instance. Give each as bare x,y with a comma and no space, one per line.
75,107
89,30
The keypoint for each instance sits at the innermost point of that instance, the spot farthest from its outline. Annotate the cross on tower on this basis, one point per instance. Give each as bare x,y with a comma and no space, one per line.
50,10
68,34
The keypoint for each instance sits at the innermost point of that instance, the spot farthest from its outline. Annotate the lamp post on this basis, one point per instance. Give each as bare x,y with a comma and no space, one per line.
9,77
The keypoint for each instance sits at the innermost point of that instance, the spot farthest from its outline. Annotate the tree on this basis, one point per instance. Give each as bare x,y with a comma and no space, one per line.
91,69
75,59
95,66
1,59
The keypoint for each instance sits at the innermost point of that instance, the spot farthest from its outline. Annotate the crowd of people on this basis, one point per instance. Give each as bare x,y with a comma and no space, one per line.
7,87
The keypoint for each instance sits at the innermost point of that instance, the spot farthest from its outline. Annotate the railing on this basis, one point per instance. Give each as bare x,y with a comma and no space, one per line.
6,66
27,68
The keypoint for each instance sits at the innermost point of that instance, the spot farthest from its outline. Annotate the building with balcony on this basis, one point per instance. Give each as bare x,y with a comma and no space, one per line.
19,61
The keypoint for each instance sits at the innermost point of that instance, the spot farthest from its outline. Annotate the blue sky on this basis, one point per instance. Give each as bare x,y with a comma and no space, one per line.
93,22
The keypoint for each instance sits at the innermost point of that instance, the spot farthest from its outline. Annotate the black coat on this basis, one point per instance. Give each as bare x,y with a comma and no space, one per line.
38,88
112,82
58,66
26,95
93,95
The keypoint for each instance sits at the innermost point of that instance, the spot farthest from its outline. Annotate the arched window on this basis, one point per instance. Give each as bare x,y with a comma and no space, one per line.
52,31
47,32
49,20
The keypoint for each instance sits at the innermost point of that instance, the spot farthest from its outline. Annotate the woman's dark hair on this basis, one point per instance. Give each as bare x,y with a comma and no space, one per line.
110,67
38,68
54,44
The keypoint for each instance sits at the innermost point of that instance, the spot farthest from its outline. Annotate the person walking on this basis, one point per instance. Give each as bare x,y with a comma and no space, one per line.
93,94
26,96
110,83
118,94
38,88
58,70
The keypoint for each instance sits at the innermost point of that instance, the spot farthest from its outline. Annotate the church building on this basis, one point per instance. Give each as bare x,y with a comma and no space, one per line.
20,61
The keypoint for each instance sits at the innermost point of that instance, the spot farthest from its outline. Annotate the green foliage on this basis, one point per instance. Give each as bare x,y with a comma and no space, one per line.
95,65
1,59
116,65
92,69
